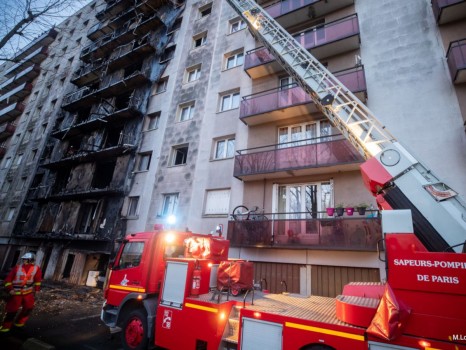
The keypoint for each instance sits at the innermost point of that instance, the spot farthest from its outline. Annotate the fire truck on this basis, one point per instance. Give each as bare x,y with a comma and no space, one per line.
179,290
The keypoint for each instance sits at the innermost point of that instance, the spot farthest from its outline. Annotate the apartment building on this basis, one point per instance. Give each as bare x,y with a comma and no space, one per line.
174,108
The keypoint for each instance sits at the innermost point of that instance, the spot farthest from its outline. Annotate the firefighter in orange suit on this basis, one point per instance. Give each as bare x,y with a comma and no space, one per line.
22,283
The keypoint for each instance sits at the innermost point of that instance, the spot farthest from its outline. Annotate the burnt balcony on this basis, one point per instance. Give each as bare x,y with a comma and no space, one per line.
115,7
123,35
113,114
291,12
35,57
268,106
17,94
123,85
7,130
88,73
80,98
446,11
94,153
26,75
128,54
44,39
297,158
11,112
296,231
456,59
47,194
322,41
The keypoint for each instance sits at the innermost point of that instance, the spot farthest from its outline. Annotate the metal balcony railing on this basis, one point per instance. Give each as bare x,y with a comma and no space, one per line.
446,11
456,59
296,231
302,154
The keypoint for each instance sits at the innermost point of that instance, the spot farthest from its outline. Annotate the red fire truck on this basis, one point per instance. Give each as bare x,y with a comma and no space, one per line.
165,287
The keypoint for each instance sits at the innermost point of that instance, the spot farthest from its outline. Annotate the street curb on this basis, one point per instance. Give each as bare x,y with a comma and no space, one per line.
36,344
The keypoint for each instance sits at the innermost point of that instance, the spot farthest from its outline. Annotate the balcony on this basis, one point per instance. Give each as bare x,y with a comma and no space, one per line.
43,40
80,98
121,86
94,153
130,53
11,112
268,106
292,12
114,7
35,57
96,120
121,36
298,158
331,39
456,59
24,76
88,73
46,194
446,11
356,233
7,130
17,94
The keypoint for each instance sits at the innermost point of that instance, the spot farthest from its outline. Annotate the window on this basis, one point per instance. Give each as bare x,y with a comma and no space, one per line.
153,120
192,73
133,206
131,255
7,162
229,101
236,25
224,148
170,203
179,155
200,40
234,60
18,159
9,214
186,112
168,53
305,133
205,10
217,202
161,85
144,161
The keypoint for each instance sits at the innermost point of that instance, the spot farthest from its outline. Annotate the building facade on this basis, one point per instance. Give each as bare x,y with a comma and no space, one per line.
173,108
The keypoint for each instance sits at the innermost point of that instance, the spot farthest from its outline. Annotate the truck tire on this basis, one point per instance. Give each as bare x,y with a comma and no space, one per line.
134,330
316,347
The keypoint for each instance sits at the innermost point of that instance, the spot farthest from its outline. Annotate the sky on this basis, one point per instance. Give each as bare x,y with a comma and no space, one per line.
13,11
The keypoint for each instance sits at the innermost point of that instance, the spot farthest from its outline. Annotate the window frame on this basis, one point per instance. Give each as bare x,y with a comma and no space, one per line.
237,20
133,206
190,106
169,204
225,153
204,8
153,118
161,86
233,56
144,161
175,153
232,96
212,202
196,69
203,40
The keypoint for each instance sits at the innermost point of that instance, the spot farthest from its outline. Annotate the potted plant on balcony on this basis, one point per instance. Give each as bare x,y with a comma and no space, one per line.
361,208
330,211
340,209
349,210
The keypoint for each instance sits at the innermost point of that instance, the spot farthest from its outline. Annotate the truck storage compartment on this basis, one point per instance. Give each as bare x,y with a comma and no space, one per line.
235,276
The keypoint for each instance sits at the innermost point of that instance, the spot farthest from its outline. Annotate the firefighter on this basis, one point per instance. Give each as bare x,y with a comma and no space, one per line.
21,284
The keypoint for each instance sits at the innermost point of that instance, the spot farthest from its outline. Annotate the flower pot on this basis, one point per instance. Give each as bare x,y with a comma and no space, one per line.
361,210
330,211
349,211
339,211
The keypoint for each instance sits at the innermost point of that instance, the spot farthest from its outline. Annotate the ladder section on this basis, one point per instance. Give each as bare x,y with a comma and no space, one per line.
340,105
230,336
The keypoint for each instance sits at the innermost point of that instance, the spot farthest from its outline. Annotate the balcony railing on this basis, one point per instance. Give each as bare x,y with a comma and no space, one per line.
322,41
446,11
299,155
11,111
6,130
260,107
43,40
358,233
18,93
456,58
35,57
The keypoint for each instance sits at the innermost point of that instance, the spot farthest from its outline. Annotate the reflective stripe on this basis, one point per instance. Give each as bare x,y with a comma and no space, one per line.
8,284
325,331
130,289
200,307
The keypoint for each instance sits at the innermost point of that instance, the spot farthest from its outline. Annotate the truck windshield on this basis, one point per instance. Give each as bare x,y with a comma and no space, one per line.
131,255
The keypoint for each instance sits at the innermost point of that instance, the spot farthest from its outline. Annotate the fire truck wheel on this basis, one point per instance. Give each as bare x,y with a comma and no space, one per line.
316,347
134,330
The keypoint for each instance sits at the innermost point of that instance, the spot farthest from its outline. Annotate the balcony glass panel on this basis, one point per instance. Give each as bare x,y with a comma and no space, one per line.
456,58
446,11
309,153
341,233
271,100
286,6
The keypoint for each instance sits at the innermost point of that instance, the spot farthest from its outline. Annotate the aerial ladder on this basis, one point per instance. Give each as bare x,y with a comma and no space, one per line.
395,177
